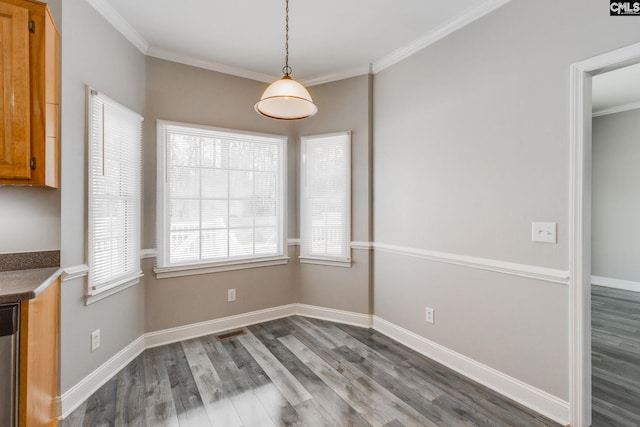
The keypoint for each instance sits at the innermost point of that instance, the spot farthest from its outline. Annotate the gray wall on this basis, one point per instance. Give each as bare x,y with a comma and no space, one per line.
29,219
615,244
471,145
193,95
345,105
30,216
93,53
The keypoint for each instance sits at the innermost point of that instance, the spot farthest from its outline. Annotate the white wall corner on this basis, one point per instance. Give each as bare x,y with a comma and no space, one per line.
529,396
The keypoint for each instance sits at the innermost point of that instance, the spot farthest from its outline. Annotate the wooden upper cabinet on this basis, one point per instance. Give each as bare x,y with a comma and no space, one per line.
29,95
15,138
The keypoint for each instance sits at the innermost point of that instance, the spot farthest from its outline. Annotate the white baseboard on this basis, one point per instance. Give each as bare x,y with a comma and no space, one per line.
333,315
625,285
74,397
536,399
194,330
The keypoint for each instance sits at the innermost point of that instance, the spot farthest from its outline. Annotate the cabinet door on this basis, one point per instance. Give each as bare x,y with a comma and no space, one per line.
39,319
15,140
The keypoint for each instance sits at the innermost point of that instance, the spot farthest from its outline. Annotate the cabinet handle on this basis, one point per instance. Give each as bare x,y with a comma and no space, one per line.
32,26
32,163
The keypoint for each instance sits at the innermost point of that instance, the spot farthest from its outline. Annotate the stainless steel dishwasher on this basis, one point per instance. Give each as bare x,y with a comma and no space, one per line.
9,364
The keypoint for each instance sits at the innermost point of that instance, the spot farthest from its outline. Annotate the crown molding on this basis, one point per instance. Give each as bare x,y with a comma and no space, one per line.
439,33
617,109
119,23
170,55
360,70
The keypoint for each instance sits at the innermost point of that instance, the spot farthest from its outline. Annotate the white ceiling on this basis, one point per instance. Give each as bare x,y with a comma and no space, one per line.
329,39
616,90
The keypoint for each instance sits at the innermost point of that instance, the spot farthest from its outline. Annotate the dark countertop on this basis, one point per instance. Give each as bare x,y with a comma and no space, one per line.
20,285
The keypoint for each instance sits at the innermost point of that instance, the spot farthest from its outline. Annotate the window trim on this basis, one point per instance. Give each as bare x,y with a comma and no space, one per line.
325,261
333,261
163,268
95,293
217,267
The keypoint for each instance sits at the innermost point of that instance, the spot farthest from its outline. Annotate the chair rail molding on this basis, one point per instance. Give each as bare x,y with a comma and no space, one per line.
148,253
74,272
504,267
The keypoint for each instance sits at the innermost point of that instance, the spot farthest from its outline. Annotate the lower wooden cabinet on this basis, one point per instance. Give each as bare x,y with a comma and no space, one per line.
38,358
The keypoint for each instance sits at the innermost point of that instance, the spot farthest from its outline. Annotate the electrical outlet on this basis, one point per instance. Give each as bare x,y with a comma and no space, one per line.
429,315
231,295
544,232
95,340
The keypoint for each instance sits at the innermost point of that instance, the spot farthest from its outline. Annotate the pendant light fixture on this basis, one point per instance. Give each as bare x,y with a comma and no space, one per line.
286,99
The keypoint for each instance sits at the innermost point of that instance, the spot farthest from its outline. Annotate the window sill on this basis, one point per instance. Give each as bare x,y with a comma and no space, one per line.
346,263
191,270
95,295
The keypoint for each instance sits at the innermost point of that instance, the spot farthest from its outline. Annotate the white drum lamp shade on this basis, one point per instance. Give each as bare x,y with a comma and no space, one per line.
286,99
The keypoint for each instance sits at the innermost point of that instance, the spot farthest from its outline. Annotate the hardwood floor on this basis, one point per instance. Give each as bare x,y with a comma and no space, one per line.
295,372
615,342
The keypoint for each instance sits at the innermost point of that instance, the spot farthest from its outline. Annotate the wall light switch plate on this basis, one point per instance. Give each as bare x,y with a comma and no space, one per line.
544,232
231,295
95,340
429,315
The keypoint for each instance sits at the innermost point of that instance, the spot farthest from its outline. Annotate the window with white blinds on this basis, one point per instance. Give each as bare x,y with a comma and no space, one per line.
221,196
325,191
114,195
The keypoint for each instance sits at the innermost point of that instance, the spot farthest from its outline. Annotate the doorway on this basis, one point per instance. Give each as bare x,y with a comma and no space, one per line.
580,223
615,248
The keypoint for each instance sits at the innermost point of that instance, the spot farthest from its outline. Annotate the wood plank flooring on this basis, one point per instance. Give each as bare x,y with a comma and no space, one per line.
295,372
615,344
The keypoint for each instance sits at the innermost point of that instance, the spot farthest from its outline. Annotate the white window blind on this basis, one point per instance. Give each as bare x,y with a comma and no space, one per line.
221,195
325,208
115,144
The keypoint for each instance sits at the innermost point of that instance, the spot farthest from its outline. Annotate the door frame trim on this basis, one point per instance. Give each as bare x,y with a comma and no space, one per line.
580,224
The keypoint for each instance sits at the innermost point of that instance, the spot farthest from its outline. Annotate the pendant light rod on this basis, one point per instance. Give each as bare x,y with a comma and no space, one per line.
286,70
